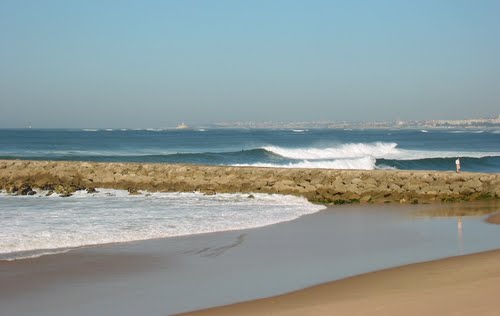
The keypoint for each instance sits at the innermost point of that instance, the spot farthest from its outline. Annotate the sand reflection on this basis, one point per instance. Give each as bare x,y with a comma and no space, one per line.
458,209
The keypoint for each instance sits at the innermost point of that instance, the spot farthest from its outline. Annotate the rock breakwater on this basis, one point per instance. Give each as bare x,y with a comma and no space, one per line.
317,185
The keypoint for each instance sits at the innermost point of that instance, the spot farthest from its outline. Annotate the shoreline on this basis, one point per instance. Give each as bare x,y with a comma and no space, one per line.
461,285
324,186
173,275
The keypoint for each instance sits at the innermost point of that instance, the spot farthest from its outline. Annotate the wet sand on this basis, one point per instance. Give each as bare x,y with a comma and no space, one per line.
174,275
465,285
494,219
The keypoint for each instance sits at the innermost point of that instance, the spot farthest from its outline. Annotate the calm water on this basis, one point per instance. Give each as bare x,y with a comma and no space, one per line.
342,149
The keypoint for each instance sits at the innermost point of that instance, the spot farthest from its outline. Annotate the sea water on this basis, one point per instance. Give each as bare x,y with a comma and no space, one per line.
404,149
38,225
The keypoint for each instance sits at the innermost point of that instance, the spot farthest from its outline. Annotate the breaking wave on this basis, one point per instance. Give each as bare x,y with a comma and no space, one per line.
358,150
37,225
377,150
361,156
365,163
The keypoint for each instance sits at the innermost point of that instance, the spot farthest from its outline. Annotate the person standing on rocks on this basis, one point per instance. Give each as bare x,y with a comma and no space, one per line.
457,163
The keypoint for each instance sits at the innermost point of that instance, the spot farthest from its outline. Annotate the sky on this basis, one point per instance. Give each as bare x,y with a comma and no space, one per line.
124,63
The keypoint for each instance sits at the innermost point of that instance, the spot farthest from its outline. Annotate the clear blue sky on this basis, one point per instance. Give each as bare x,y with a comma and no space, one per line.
157,63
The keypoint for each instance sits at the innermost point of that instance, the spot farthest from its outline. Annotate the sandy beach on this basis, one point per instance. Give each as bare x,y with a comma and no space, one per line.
465,285
175,275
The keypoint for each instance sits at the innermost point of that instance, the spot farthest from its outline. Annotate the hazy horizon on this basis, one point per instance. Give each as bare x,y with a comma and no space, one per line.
112,64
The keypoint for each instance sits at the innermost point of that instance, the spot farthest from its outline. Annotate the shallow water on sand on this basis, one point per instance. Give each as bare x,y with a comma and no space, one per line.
165,276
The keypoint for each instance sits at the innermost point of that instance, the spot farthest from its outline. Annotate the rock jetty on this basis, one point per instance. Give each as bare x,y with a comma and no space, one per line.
317,185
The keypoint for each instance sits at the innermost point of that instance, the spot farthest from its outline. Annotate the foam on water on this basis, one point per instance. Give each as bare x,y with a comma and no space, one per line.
294,148
375,150
352,150
464,132
37,225
404,154
364,163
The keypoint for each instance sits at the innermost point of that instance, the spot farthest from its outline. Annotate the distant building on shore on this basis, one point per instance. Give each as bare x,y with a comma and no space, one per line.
483,123
182,126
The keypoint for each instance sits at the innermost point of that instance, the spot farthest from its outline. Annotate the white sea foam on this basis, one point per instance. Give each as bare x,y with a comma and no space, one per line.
417,154
364,163
375,150
37,225
465,132
351,150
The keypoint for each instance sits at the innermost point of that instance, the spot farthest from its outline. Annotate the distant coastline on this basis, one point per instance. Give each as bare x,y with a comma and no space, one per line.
487,123
472,124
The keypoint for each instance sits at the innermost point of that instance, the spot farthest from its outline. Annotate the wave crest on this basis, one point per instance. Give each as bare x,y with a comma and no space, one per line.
378,150
350,150
365,163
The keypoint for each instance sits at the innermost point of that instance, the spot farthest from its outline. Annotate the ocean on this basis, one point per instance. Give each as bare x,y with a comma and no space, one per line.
40,225
479,151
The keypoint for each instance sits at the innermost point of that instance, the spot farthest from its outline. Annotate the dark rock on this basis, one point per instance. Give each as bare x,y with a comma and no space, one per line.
133,191
64,190
12,189
25,189
47,187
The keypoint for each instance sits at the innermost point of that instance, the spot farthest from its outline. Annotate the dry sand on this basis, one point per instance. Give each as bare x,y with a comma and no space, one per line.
466,285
